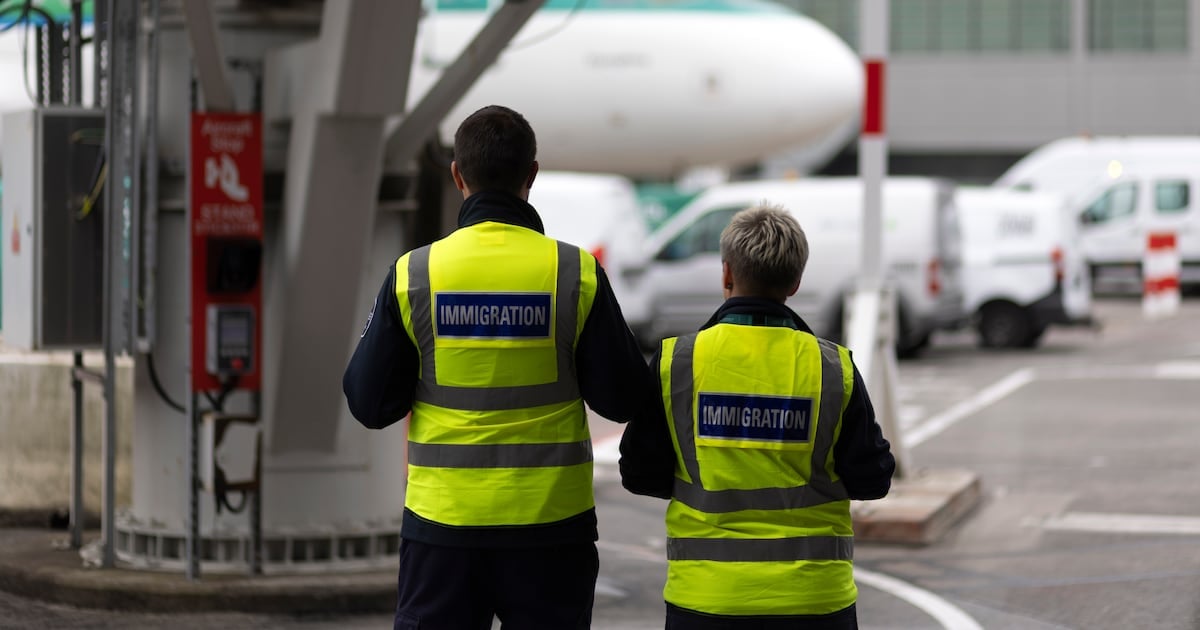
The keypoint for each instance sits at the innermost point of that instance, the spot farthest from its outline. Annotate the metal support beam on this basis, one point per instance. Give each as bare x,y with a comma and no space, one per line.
120,222
75,46
357,77
147,272
408,137
207,55
76,516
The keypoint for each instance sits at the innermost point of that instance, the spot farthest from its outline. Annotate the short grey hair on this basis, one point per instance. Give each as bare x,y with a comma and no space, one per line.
765,248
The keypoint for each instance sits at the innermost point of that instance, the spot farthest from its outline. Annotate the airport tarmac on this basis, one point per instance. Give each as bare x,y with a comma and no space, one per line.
1090,519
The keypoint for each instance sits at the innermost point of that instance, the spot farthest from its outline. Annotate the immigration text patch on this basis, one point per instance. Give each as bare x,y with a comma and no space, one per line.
763,418
494,315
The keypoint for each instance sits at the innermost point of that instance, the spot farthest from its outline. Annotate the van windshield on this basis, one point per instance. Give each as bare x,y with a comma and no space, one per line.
703,236
1118,201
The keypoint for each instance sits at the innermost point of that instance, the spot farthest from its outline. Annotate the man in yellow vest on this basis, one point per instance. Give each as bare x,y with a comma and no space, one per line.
765,434
493,337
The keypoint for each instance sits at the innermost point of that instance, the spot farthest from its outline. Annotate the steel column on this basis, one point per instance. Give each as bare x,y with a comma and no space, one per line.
76,516
357,78
208,58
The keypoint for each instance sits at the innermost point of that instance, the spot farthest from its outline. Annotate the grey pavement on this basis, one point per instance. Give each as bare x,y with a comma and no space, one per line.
1105,434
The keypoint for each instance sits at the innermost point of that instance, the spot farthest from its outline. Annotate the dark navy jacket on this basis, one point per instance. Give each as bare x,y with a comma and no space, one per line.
381,379
861,455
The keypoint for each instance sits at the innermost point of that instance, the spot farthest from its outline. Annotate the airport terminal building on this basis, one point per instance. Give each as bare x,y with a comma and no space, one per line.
975,84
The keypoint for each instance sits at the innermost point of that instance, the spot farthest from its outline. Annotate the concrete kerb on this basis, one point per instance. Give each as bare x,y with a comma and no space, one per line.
36,564
920,508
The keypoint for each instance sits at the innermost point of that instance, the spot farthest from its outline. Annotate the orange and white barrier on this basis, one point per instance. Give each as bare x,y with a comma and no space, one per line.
1161,266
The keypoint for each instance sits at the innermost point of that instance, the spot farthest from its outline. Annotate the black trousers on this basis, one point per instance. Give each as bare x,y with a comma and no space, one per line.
684,619
462,588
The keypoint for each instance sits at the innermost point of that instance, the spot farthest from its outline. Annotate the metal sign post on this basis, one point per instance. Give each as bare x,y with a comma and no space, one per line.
226,224
871,309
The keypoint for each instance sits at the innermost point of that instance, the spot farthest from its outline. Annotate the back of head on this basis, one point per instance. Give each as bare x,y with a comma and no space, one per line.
495,149
766,251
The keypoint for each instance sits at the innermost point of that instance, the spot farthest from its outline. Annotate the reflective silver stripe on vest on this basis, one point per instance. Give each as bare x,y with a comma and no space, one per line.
565,389
499,455
762,549
820,488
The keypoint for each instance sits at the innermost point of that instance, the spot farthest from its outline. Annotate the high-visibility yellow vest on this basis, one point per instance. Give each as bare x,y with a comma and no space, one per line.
498,433
759,522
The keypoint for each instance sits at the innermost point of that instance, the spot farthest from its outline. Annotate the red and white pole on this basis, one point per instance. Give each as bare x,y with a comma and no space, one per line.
872,143
1161,267
871,326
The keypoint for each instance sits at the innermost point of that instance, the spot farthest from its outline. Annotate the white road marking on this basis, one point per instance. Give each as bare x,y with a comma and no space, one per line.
1178,370
635,551
607,450
1124,523
910,415
607,588
950,616
985,397
1167,370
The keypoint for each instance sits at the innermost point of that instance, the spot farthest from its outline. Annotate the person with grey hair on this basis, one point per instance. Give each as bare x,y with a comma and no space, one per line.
761,436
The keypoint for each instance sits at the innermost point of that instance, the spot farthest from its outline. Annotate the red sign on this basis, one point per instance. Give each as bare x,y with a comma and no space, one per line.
226,220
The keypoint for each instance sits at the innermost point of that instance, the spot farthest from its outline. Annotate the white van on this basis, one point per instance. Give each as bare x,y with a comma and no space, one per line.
1073,165
1122,188
600,213
1022,266
1117,215
681,280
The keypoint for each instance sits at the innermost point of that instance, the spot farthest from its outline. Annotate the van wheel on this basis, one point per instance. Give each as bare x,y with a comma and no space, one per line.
914,349
908,347
1005,325
1034,337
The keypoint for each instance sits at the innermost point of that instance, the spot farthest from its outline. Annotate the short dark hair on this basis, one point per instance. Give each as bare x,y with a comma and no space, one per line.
495,149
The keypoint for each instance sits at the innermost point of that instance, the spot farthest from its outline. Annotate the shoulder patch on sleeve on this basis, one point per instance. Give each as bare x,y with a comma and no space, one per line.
370,316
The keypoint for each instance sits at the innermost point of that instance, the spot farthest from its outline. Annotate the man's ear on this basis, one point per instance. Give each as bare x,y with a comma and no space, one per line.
795,287
459,182
533,171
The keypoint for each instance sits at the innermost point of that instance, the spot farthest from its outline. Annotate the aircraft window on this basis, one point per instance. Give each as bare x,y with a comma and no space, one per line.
701,237
1171,196
1118,201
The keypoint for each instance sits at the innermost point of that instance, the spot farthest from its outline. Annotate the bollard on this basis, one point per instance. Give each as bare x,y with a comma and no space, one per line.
1161,266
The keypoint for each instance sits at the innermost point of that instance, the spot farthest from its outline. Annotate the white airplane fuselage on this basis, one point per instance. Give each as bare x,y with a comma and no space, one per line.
652,92
640,88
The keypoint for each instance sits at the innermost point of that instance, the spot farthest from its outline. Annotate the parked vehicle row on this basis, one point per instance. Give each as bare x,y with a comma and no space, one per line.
1009,259
679,277
1121,189
1006,262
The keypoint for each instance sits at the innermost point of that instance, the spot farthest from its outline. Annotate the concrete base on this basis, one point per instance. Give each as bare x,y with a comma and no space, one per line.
37,564
920,509
35,434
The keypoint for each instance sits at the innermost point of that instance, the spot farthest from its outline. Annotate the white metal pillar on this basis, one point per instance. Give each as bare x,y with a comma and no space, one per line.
357,76
871,329
335,161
